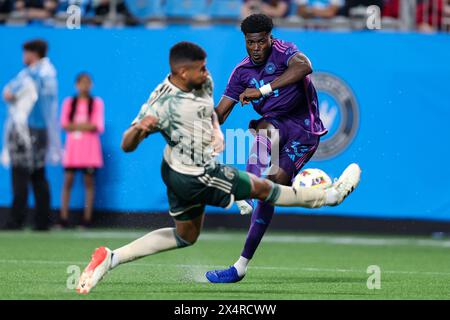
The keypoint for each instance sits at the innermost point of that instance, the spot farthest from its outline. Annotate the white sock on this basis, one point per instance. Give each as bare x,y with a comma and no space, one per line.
300,197
241,266
156,241
114,260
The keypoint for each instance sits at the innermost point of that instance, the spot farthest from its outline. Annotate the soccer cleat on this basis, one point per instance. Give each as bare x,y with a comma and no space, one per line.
229,275
95,270
245,206
347,182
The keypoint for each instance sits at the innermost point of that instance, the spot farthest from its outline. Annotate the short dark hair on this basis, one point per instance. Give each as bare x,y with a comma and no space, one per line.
38,46
82,75
256,23
186,51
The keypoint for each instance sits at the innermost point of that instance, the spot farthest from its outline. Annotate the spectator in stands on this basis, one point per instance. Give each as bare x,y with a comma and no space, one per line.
32,135
272,8
84,5
103,7
318,8
36,9
349,4
82,118
391,8
6,6
428,13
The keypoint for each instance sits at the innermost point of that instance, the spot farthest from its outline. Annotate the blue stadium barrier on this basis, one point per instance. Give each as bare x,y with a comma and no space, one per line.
384,97
225,8
146,8
185,8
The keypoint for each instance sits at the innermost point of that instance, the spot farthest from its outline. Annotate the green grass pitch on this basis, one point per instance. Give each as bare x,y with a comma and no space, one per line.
286,266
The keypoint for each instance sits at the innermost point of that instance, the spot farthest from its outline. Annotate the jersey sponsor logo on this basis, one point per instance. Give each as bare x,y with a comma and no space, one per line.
270,68
339,112
258,84
201,112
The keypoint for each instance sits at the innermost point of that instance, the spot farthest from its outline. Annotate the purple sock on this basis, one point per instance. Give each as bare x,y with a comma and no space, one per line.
260,221
258,162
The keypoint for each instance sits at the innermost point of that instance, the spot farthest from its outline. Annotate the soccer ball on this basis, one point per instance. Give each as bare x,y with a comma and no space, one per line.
313,178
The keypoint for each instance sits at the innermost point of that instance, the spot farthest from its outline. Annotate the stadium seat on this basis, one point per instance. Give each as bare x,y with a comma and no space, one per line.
186,8
292,9
146,8
84,5
225,8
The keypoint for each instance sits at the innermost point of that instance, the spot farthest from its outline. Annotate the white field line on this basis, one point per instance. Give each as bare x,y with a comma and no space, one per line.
334,240
209,267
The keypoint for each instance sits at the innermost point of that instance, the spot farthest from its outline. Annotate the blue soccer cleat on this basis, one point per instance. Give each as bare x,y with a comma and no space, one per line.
229,275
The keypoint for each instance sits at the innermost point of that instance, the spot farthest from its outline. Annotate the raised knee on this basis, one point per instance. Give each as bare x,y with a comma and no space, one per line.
186,239
261,188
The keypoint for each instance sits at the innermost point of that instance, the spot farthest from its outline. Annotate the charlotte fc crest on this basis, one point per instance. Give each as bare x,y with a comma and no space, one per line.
339,113
270,68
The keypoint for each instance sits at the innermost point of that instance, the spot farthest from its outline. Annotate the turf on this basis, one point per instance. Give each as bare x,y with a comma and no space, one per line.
287,266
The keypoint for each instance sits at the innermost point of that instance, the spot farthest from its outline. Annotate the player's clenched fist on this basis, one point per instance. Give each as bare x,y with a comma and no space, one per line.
249,94
147,124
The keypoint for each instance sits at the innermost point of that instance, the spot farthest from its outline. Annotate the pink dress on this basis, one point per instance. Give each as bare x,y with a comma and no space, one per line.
83,149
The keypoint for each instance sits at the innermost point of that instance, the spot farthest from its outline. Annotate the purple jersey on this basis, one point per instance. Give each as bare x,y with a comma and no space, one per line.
298,100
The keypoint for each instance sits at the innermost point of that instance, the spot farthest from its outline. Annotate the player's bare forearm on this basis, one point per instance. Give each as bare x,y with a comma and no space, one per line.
138,132
215,121
218,138
298,68
131,138
224,109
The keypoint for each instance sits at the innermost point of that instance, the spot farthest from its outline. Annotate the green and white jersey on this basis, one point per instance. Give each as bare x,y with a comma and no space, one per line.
184,119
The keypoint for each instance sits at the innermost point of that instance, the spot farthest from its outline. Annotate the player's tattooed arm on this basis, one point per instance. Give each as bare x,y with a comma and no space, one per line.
138,132
224,108
299,67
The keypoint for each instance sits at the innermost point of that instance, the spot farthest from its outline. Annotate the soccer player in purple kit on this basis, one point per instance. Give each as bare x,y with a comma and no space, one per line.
274,78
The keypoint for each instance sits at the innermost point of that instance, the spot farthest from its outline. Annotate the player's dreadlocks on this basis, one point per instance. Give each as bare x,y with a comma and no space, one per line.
256,23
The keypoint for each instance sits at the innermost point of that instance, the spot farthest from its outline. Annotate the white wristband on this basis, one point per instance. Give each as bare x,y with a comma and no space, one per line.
266,90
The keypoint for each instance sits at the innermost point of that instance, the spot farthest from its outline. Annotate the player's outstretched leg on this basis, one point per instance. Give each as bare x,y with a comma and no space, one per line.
258,162
289,196
313,197
346,183
103,259
259,224
95,270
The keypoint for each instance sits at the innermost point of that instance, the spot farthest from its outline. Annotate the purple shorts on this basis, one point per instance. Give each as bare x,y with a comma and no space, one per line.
297,146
